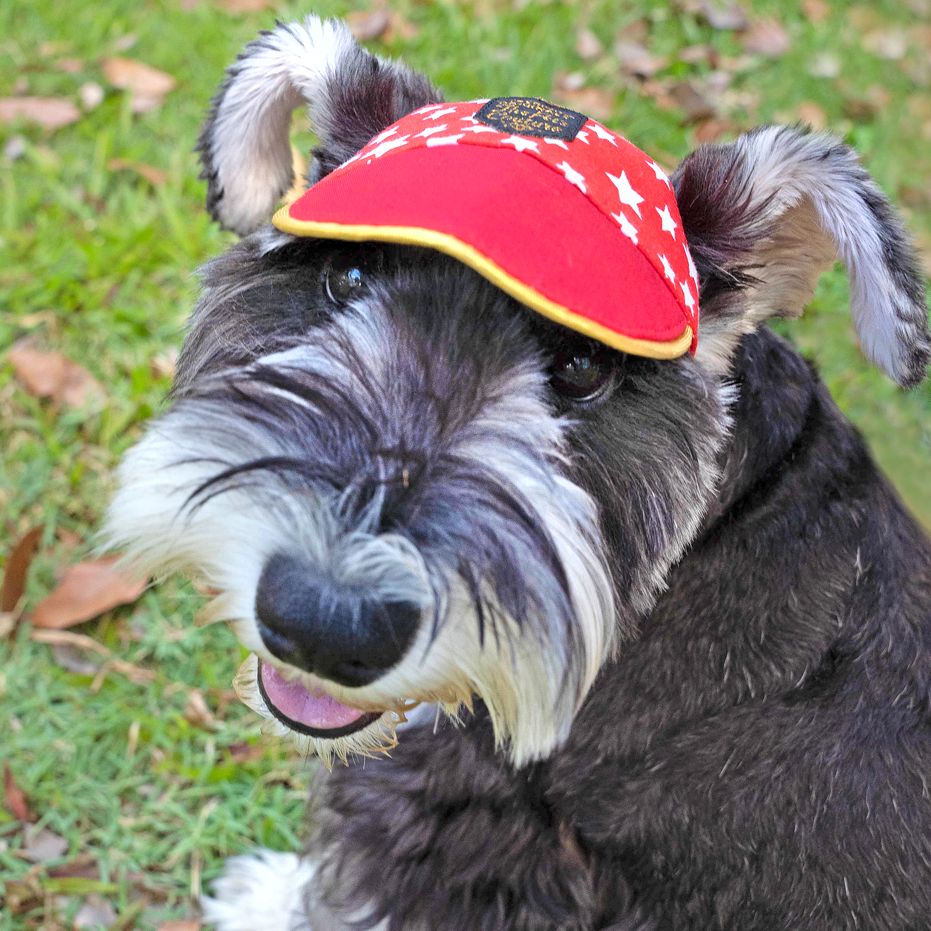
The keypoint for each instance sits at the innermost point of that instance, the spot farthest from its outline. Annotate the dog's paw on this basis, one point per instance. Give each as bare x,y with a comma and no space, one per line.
262,891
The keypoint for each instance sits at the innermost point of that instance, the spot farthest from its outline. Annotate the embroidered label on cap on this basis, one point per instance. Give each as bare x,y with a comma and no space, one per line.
528,116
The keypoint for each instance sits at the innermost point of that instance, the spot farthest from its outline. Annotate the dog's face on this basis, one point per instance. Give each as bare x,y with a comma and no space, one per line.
405,486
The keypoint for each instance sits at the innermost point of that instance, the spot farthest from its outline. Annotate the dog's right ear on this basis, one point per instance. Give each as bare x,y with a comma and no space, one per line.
766,214
351,95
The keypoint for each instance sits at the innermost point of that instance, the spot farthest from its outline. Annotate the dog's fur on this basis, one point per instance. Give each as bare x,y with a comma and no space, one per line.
695,618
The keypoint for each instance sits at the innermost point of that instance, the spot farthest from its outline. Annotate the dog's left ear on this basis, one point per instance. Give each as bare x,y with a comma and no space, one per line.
766,214
351,95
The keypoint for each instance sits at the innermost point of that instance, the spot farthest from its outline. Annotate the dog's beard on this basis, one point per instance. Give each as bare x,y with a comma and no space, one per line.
527,632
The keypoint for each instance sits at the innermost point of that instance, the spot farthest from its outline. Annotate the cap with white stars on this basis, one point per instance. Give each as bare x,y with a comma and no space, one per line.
565,215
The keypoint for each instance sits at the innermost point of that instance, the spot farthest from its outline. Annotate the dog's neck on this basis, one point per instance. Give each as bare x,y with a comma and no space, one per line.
783,411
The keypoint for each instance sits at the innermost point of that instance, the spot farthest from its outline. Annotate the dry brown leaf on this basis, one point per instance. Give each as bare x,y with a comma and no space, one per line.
698,54
863,18
96,912
734,64
72,659
569,81
14,148
17,568
727,16
366,25
695,106
299,173
244,752
22,897
826,65
816,11
15,799
181,924
163,364
125,43
49,49
42,845
87,590
48,112
91,94
593,101
244,6
135,674
196,710
633,58
400,28
890,44
869,106
53,375
83,866
924,252
713,130
587,45
138,77
813,115
155,176
767,37
920,36
659,92
70,65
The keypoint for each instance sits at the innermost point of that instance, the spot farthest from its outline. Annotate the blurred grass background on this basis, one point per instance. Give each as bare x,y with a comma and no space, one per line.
97,260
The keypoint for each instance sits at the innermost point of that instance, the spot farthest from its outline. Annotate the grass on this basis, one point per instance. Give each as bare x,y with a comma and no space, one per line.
99,263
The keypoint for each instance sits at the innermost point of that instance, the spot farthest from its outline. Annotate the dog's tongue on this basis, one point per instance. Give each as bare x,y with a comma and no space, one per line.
314,708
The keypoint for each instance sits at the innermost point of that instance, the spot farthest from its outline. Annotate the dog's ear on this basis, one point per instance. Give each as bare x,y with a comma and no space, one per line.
766,214
351,95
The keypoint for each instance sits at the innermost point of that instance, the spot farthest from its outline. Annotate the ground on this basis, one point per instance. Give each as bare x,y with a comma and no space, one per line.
139,763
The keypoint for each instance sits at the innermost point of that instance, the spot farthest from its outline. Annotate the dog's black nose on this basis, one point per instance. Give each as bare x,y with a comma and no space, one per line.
336,632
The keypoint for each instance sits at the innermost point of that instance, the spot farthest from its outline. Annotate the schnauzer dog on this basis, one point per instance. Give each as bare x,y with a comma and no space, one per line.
668,626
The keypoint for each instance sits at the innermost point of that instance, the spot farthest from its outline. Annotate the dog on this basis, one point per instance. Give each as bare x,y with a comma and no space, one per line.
668,626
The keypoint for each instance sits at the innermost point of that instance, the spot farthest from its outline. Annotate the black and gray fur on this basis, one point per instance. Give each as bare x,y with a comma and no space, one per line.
695,617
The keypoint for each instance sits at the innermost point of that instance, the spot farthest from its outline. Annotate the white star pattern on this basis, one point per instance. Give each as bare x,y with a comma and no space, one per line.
436,114
351,159
669,225
384,135
521,144
667,269
479,128
687,295
660,174
629,197
443,140
430,130
693,271
429,107
582,136
602,133
572,176
627,228
387,146
558,142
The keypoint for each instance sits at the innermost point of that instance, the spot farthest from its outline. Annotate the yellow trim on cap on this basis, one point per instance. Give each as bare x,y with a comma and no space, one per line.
469,255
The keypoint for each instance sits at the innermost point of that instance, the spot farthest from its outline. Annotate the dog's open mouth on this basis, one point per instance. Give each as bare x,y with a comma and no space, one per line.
314,720
309,711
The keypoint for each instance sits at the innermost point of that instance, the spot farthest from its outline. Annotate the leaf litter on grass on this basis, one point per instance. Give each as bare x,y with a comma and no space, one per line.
114,239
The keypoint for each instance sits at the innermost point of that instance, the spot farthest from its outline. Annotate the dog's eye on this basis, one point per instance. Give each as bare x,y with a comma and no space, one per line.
580,375
342,282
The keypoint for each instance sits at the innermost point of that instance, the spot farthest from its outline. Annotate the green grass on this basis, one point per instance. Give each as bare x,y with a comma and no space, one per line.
100,264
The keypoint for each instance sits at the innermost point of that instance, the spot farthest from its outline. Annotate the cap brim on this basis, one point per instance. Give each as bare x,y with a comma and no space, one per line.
518,223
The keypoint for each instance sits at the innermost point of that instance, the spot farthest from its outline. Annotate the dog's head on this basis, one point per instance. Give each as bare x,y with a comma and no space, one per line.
404,483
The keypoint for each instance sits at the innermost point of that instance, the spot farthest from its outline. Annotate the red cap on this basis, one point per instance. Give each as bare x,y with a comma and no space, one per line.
561,213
